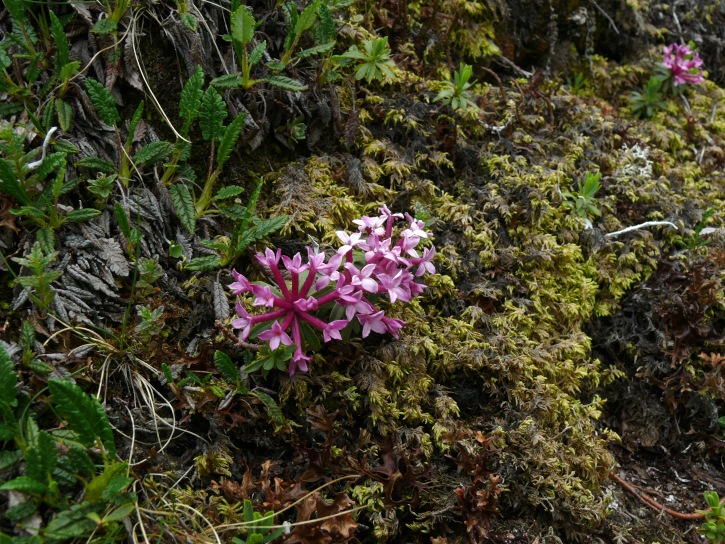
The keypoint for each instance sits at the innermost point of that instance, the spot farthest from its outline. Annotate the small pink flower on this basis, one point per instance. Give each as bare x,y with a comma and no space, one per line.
372,322
244,321
362,277
684,64
371,225
393,325
332,329
294,264
425,264
396,286
276,336
349,241
270,258
264,295
299,361
240,285
305,305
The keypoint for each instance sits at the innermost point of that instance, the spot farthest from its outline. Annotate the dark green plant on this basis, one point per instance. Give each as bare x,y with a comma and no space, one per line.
578,84
455,93
646,103
49,469
247,229
374,62
39,279
258,527
694,240
713,528
581,201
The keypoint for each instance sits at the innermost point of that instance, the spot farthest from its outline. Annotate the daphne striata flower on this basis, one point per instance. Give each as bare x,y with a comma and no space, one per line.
684,64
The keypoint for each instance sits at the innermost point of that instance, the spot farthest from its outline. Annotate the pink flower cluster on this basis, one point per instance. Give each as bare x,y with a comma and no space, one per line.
684,64
346,285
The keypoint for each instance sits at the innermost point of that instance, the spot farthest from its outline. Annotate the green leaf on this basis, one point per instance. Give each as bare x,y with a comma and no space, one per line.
257,53
50,163
25,484
40,459
242,25
71,523
229,139
285,83
189,21
152,153
273,409
184,206
104,27
316,50
9,183
68,70
227,81
203,264
96,163
226,367
190,99
46,239
326,30
122,220
268,226
9,458
84,214
135,120
83,413
228,192
103,101
20,511
212,113
307,18
65,114
119,513
61,42
8,382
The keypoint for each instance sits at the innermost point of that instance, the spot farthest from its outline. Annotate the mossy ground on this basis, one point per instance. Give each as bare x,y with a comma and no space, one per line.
543,355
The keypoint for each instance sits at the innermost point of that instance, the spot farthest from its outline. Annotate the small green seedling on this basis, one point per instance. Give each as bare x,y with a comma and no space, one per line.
645,104
455,93
714,526
581,202
258,526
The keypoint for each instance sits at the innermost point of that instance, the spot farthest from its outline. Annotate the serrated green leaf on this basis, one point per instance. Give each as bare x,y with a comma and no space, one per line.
97,486
9,458
190,99
8,383
318,49
229,139
64,112
9,107
46,239
307,17
50,163
80,462
203,264
40,367
84,214
83,413
71,523
226,367
227,81
9,183
184,206
285,83
25,484
257,53
242,25
40,458
326,30
96,163
20,511
104,27
273,409
68,70
135,120
122,220
61,42
152,153
268,226
235,213
212,113
189,21
228,192
103,101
